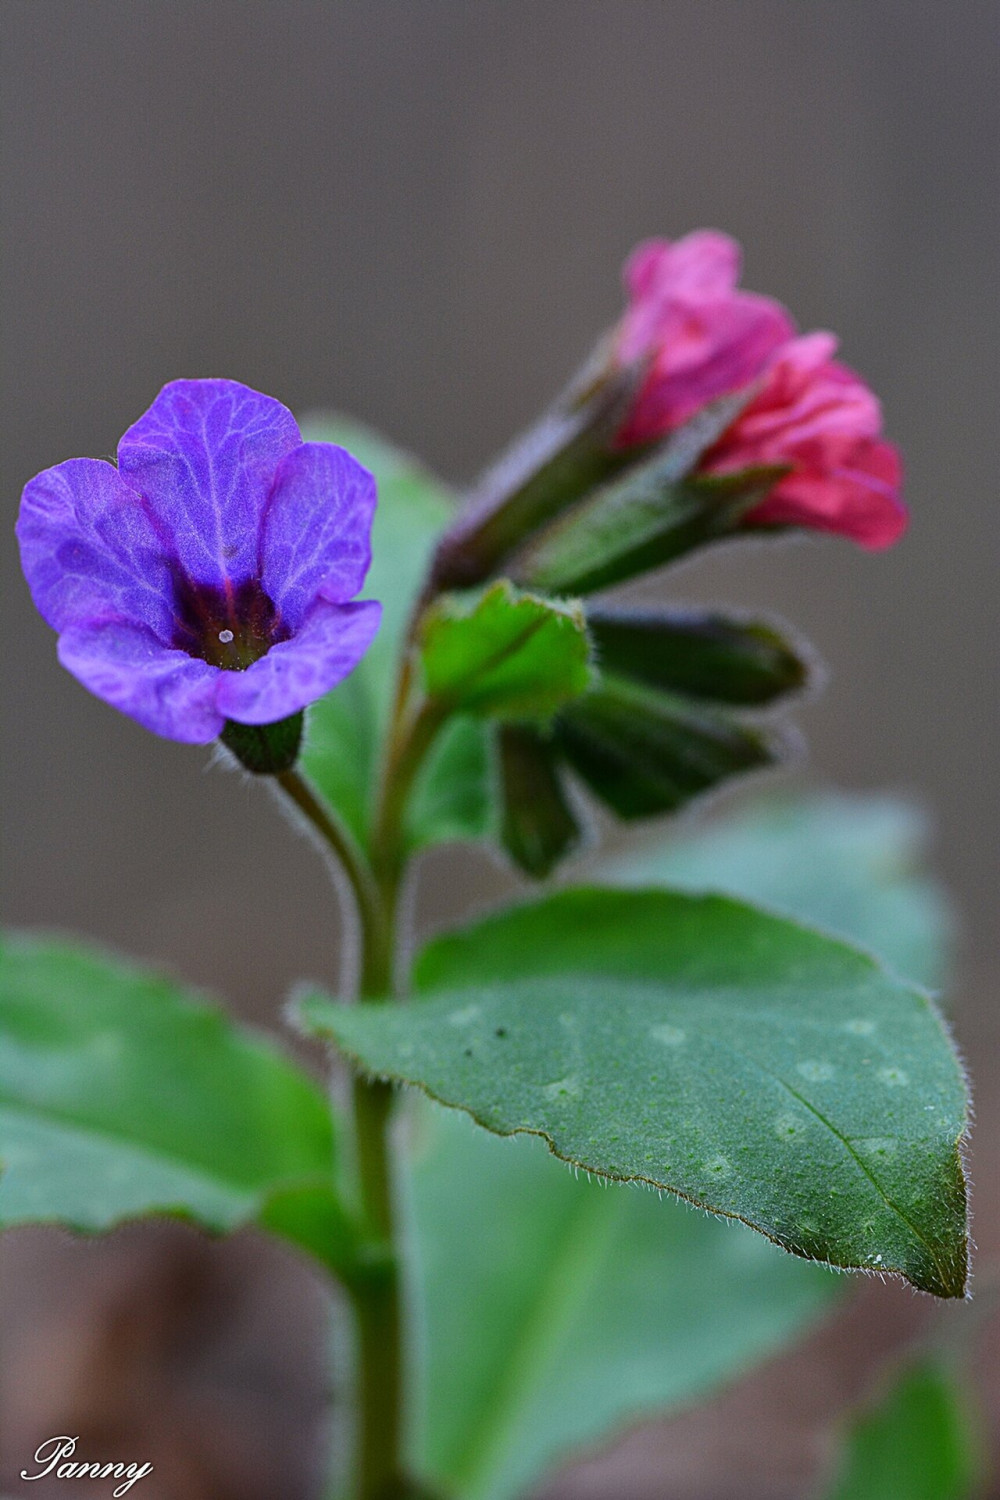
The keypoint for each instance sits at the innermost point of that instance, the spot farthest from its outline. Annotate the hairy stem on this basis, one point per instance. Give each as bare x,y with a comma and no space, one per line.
413,737
376,1295
372,916
377,1299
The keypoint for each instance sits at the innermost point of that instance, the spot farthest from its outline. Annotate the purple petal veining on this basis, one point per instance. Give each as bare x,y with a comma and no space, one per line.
210,576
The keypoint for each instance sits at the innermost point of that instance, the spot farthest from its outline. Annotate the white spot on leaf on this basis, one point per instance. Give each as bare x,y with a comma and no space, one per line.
878,1146
563,1088
816,1072
670,1036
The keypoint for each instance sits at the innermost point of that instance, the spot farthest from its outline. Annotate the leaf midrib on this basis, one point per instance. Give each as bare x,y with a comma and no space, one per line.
837,1134
499,657
557,1296
846,1143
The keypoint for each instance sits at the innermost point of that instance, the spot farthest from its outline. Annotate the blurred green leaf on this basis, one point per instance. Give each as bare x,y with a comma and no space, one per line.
917,1443
344,731
503,654
539,827
453,800
700,654
556,1310
122,1094
644,751
759,1069
849,864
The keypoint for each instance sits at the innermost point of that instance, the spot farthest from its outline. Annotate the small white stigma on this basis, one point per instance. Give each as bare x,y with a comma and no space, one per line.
225,636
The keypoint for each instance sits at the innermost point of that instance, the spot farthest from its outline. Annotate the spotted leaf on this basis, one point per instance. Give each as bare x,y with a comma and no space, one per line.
755,1067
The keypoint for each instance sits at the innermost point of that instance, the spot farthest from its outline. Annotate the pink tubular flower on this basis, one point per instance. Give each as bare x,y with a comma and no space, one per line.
819,417
703,338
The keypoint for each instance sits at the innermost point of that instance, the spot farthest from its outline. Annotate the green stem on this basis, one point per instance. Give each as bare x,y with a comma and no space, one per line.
375,1295
408,748
372,916
379,1473
377,1299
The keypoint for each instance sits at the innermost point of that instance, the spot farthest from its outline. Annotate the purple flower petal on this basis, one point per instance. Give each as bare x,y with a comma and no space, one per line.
316,536
332,640
204,456
90,551
208,577
167,691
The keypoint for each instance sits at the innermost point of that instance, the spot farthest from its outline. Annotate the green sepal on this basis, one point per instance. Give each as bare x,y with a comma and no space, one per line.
265,749
568,452
658,510
643,751
637,525
504,654
539,828
704,655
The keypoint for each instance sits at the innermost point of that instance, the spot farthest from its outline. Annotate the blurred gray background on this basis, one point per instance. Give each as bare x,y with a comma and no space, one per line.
417,212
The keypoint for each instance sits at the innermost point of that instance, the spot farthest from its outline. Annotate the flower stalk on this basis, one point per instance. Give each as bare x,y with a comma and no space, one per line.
376,1295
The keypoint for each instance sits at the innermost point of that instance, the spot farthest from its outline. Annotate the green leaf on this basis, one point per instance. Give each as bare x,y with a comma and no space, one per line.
643,751
344,731
453,799
539,827
121,1095
917,1443
503,654
759,1069
848,864
702,655
582,1309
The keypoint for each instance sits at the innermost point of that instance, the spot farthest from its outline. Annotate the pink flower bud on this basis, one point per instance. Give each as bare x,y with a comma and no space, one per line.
702,338
818,416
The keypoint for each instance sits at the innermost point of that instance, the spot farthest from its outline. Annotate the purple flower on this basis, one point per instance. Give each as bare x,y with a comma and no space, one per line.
208,577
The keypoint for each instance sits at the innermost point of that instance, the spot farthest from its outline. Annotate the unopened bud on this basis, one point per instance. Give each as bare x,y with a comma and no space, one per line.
569,451
650,515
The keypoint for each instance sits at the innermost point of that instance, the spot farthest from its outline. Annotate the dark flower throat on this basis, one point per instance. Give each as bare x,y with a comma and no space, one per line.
228,628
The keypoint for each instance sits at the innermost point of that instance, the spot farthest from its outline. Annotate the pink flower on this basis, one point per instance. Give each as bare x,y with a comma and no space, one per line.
702,337
818,416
